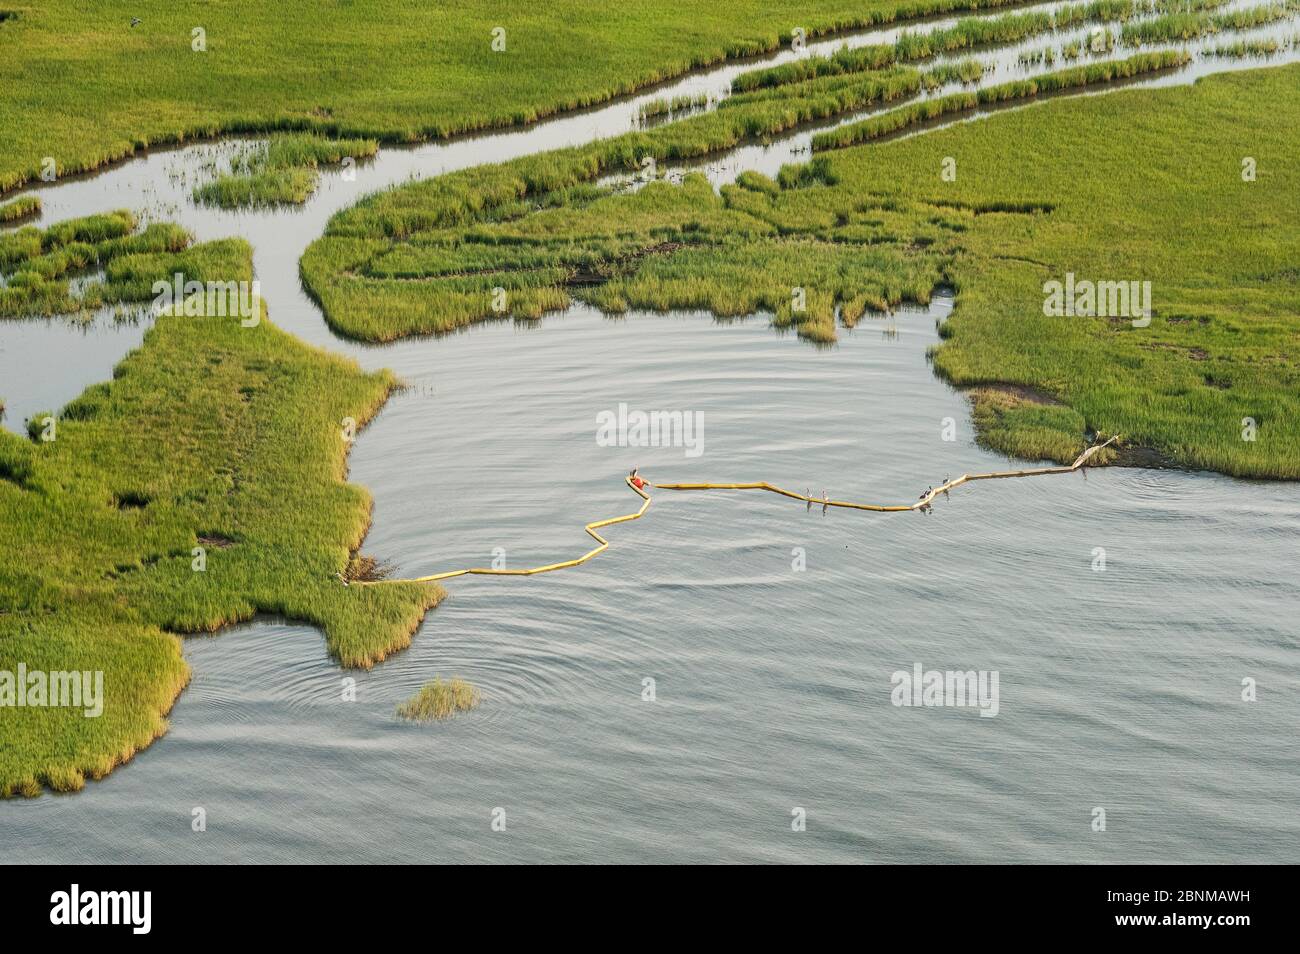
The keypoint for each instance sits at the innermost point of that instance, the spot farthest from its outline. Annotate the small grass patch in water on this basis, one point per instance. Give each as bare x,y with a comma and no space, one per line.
438,700
661,107
42,268
283,171
1245,48
19,209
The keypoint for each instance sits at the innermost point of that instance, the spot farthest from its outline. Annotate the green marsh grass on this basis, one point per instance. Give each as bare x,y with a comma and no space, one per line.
375,305
209,435
438,700
400,74
40,265
1076,77
1244,48
283,170
1125,201
1191,25
865,225
18,209
1026,426
426,258
966,34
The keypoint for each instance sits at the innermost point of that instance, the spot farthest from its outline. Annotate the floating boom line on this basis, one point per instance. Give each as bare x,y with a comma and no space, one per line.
925,500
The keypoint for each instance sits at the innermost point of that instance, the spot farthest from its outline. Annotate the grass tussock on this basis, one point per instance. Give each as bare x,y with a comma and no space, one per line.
281,171
439,700
1246,48
15,211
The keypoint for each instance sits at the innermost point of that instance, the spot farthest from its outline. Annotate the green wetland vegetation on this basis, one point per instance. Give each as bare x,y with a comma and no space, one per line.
44,269
393,70
519,238
19,209
202,485
1190,24
283,170
1089,191
438,700
205,483
1091,74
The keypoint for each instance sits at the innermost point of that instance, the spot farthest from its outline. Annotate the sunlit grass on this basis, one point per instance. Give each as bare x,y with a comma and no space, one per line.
19,209
40,265
284,170
393,70
438,700
200,486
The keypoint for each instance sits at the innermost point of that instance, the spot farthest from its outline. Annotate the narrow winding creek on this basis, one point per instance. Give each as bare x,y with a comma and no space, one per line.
1119,689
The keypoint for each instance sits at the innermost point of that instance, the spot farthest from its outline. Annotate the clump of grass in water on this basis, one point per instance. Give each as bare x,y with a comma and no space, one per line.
41,267
282,171
440,700
1245,48
965,72
667,107
19,209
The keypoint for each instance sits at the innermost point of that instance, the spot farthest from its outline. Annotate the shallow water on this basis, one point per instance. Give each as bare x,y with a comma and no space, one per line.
1119,689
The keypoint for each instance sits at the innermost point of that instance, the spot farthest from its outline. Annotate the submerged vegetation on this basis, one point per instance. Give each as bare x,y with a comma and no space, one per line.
202,485
439,700
283,170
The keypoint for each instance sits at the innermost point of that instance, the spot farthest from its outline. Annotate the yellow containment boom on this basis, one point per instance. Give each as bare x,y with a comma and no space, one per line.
591,528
